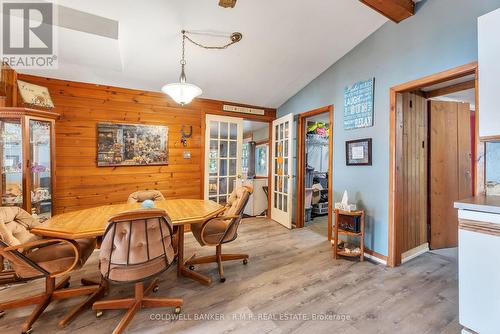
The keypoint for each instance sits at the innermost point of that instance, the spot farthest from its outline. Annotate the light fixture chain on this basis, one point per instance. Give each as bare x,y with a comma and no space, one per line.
235,38
183,60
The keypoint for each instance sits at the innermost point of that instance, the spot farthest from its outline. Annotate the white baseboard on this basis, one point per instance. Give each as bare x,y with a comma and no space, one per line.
413,253
467,331
376,259
369,256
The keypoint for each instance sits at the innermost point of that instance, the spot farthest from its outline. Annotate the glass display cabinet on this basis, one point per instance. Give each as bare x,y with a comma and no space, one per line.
27,159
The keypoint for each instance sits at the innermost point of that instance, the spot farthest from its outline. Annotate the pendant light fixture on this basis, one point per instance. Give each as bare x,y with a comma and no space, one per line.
183,92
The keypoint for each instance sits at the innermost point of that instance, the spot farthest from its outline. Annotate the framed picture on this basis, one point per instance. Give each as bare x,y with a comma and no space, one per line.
131,145
358,152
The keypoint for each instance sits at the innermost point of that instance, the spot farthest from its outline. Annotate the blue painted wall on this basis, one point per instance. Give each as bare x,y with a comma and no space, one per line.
442,35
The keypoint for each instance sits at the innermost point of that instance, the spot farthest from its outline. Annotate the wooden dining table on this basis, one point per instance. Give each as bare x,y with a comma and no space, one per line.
91,223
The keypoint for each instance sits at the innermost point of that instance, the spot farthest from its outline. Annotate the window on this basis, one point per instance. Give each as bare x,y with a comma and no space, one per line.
244,158
261,157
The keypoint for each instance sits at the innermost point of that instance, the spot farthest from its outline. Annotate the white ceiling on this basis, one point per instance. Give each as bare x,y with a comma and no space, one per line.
286,44
321,118
252,126
467,96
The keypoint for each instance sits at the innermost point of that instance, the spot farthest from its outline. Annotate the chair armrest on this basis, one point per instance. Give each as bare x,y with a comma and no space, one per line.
46,242
224,217
218,218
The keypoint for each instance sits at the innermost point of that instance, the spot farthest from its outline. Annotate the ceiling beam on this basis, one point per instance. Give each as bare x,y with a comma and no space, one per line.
395,10
227,3
451,89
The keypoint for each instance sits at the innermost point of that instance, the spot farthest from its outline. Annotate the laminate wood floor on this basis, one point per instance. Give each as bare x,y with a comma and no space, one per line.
290,278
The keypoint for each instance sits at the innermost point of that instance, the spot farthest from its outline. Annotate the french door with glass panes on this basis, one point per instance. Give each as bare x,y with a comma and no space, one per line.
281,182
223,148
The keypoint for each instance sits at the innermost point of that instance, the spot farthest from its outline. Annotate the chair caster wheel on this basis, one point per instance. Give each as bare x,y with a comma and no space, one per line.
177,310
66,285
191,267
245,261
223,279
156,288
99,314
29,331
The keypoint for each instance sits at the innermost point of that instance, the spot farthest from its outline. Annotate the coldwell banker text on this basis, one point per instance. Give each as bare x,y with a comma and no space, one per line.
28,38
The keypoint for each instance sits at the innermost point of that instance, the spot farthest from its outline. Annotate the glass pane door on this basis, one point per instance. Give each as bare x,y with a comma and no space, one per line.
281,197
11,146
223,147
40,168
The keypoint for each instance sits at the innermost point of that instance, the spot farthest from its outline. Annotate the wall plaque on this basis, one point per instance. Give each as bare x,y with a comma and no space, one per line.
358,105
34,95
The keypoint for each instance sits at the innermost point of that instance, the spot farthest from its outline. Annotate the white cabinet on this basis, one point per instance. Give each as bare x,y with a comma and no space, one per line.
257,202
489,74
479,271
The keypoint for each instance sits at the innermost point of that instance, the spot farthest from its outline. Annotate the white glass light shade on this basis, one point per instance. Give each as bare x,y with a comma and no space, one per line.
182,93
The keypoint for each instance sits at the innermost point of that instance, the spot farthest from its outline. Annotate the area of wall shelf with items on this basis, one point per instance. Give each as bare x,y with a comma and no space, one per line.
351,224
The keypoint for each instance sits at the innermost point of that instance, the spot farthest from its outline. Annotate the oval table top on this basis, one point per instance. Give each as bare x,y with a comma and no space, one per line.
92,222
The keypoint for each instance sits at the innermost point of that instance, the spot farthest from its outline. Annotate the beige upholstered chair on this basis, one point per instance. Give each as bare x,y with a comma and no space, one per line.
32,257
137,246
221,230
142,195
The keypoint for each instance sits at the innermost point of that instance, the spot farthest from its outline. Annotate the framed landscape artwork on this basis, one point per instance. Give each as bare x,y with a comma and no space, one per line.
131,145
358,152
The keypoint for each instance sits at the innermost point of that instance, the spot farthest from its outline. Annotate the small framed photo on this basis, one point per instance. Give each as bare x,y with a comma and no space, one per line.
358,152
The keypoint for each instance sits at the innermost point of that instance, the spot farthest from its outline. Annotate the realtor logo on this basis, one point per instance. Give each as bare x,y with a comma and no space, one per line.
28,34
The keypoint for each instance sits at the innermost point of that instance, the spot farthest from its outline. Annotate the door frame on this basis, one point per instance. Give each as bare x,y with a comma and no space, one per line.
301,159
395,151
268,117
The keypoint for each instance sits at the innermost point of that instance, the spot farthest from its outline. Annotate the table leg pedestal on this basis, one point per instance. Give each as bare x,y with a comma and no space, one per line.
182,270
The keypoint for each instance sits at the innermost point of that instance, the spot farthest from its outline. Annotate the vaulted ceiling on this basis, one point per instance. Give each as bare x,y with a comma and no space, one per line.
286,44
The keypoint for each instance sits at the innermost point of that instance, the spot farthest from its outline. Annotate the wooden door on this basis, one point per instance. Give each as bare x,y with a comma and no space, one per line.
281,180
450,169
415,170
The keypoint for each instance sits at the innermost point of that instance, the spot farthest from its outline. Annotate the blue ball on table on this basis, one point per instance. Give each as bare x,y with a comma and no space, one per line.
148,204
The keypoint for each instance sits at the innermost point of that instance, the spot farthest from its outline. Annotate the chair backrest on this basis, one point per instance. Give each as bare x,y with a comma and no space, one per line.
142,195
137,245
15,225
235,206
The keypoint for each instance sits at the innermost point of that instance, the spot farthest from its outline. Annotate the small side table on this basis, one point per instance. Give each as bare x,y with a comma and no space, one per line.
344,215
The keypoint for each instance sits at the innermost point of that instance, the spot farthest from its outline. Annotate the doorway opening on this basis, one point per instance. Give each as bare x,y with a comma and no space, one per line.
237,153
434,146
315,170
254,166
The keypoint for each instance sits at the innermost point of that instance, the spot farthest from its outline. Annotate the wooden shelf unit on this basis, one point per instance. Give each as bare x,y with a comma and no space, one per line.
338,231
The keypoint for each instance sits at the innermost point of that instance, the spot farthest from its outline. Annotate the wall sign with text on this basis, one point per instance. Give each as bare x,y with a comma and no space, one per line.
358,105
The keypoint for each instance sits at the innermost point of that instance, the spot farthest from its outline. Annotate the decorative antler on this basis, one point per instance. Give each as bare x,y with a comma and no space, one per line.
184,136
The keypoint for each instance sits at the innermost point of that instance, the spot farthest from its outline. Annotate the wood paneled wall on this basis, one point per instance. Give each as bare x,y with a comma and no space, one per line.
81,184
8,87
415,170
